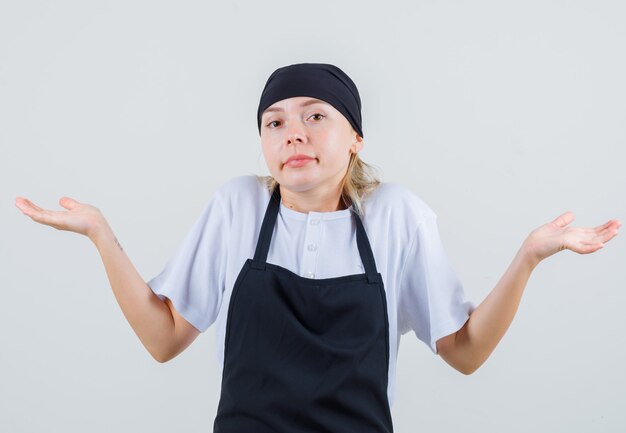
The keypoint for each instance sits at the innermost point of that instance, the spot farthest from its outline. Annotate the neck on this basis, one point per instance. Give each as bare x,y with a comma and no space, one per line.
319,200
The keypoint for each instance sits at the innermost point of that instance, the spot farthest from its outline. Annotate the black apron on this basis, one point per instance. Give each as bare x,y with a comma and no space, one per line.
302,354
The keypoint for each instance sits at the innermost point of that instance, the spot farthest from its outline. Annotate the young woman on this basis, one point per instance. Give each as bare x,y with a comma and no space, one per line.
312,274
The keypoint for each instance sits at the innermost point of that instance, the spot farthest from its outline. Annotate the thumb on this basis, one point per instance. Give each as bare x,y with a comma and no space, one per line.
68,203
564,219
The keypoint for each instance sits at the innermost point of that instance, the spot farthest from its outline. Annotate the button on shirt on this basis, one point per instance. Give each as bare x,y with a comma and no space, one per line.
313,238
422,290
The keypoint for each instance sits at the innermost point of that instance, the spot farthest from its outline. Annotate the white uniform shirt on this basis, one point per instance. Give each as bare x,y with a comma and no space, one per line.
423,291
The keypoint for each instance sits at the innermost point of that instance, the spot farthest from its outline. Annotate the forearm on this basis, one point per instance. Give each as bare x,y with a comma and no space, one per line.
150,318
490,320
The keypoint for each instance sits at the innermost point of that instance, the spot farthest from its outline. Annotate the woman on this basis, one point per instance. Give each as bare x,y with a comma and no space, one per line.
313,273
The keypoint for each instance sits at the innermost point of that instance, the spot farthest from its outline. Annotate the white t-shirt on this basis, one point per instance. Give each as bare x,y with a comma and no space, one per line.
423,291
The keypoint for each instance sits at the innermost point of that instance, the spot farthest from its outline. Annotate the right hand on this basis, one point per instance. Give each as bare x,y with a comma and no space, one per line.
80,217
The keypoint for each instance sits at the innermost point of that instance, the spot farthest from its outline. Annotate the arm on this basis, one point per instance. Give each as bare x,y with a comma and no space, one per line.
468,348
161,329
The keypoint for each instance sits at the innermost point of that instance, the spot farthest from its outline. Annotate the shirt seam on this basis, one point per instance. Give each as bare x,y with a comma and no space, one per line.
406,259
219,194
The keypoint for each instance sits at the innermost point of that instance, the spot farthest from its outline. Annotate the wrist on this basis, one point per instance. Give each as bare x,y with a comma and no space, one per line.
528,254
101,230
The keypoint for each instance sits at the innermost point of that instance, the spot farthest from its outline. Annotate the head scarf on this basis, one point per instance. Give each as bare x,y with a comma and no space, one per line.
316,80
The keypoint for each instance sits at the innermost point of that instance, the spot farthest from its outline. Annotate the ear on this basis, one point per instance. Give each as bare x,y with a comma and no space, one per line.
357,143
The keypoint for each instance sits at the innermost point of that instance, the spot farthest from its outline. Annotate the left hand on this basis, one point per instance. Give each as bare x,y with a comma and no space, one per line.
556,236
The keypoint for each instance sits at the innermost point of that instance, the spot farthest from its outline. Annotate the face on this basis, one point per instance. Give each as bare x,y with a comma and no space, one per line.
313,128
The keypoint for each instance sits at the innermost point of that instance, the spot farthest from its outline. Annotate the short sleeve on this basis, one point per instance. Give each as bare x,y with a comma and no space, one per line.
432,299
194,276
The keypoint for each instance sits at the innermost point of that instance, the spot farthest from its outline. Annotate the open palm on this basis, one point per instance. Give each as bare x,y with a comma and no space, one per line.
557,235
81,218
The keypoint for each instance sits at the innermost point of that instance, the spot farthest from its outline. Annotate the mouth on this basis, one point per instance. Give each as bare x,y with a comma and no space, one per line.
299,160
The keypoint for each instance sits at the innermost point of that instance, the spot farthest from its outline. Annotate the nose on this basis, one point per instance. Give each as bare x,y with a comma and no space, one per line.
295,133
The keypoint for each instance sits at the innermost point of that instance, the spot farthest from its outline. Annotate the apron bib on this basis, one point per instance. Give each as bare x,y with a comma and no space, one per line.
302,354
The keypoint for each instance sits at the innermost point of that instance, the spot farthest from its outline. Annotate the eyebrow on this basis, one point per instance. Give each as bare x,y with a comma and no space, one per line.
304,104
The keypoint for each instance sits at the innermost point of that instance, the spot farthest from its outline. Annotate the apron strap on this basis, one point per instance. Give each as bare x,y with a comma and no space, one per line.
265,236
267,228
365,250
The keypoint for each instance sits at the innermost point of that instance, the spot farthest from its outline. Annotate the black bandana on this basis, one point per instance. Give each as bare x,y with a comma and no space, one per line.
316,80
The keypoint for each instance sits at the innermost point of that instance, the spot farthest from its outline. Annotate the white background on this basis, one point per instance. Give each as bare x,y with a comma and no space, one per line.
500,115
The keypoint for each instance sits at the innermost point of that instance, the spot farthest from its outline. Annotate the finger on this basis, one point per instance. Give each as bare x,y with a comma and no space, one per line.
24,206
564,219
51,218
605,231
607,235
68,203
603,226
590,248
20,204
30,204
609,227
613,227
587,237
610,223
586,248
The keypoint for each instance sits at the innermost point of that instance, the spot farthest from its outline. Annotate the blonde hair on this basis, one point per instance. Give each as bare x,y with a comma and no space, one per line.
360,180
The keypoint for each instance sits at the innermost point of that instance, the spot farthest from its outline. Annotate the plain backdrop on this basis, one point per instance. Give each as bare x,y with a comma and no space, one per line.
500,115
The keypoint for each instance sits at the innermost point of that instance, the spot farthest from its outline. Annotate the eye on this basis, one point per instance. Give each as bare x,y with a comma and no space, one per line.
269,125
318,114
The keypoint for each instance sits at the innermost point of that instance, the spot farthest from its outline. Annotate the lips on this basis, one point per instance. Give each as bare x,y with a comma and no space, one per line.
298,160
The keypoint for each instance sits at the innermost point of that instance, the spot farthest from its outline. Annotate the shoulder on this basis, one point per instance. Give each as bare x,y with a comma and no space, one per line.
243,196
398,202
241,189
243,184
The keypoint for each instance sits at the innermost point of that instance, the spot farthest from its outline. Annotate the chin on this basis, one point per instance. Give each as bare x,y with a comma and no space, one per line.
297,186
297,183
295,176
